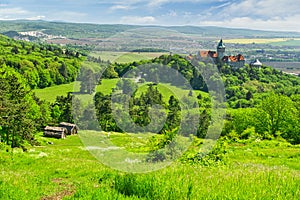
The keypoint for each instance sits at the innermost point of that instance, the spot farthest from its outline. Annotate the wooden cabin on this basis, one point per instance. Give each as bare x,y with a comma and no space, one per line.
55,132
72,129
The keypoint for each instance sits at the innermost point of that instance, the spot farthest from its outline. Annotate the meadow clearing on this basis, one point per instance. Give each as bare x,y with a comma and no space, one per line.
64,169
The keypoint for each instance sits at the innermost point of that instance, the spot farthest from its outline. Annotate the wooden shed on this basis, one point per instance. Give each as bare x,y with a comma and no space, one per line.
55,132
71,128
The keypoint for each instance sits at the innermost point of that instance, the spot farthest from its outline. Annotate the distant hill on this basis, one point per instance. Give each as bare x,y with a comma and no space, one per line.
82,30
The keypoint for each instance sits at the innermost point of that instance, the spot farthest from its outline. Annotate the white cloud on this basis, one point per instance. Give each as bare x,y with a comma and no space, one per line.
12,11
278,24
40,17
120,7
7,13
138,20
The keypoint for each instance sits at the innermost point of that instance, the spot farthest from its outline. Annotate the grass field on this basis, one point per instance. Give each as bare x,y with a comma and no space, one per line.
291,42
168,90
65,170
262,40
125,57
49,94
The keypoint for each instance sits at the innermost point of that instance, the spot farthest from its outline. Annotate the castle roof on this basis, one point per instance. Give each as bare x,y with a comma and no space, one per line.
236,58
221,45
207,54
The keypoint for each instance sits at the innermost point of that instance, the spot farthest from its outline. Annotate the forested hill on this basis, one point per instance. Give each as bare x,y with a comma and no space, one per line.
41,65
244,86
84,30
262,102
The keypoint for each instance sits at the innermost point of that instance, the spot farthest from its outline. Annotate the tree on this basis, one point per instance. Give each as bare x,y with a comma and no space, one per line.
88,80
19,111
277,110
174,115
15,50
127,86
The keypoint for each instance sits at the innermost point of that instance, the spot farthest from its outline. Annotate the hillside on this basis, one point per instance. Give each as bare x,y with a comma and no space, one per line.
72,30
42,65
255,154
66,170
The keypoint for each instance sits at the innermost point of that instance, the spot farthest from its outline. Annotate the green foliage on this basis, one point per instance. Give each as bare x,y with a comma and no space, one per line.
275,114
212,153
62,109
21,114
41,65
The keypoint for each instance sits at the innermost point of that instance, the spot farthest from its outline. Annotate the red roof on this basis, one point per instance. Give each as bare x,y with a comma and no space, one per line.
206,54
237,58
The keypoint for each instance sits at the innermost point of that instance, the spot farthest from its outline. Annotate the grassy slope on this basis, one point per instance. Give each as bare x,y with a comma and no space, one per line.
125,57
49,94
265,170
168,90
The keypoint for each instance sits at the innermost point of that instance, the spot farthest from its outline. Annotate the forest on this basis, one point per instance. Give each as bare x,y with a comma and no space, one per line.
26,66
262,102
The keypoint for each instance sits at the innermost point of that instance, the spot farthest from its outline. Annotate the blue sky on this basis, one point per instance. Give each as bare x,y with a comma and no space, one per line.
282,15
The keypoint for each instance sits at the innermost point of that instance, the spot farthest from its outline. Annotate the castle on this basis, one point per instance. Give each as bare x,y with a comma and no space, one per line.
219,56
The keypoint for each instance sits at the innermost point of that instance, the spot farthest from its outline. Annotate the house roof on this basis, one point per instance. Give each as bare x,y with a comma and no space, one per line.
256,63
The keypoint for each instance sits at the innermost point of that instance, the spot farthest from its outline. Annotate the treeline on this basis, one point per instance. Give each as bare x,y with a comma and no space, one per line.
41,65
22,115
141,116
149,50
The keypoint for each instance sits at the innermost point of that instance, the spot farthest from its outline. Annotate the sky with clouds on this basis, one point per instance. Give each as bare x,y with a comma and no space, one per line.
282,15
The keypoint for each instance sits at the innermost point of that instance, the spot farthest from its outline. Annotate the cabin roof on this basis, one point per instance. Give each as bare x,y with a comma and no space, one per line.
67,124
52,128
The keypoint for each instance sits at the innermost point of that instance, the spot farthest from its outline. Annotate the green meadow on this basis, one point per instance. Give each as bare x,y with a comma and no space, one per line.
49,94
125,57
64,169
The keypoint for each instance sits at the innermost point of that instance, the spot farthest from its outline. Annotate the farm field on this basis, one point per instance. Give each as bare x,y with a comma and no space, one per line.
262,40
289,67
64,169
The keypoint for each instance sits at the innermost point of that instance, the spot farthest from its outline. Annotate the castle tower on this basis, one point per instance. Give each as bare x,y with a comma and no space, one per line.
221,49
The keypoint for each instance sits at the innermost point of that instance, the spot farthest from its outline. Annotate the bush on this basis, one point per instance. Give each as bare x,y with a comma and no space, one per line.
156,156
250,133
216,156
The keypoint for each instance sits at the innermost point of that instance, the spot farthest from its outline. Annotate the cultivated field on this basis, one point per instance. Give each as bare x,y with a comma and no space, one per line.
262,40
